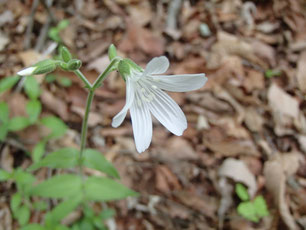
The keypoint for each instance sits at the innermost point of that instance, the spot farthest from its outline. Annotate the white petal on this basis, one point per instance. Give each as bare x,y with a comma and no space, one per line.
26,72
179,83
167,111
142,125
157,65
130,94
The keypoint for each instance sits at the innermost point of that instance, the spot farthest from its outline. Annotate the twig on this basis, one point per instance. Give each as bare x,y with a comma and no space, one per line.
44,31
27,40
47,7
173,11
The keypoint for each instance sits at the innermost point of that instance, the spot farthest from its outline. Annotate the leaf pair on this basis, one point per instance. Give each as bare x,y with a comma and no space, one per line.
68,158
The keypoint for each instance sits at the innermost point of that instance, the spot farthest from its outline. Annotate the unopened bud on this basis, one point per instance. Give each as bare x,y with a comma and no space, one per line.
42,67
112,52
65,54
74,64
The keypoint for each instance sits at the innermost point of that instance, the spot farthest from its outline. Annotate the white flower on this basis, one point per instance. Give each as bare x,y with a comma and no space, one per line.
27,71
145,95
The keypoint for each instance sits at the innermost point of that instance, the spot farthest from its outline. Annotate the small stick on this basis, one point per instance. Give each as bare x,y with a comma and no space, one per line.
27,40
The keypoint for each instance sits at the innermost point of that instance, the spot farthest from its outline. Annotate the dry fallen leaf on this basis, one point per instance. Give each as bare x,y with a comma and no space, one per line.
239,172
285,109
276,172
301,72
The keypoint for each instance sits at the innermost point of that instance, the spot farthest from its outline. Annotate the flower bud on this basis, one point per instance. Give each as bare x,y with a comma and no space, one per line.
42,67
112,52
65,54
124,69
74,64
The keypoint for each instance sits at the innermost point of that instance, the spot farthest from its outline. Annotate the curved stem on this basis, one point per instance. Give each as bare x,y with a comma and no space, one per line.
83,78
102,76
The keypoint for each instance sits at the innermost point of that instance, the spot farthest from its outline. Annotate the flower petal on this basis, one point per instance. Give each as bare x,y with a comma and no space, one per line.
27,71
167,111
157,65
130,94
142,125
179,83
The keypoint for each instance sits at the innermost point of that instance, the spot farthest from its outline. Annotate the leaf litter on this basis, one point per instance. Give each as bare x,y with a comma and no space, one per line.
245,125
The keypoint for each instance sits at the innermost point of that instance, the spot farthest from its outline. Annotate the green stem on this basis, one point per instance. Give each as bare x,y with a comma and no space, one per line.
102,76
83,78
85,127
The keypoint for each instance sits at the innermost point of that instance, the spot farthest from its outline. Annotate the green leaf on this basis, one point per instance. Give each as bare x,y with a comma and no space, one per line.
33,227
50,78
62,158
38,151
4,112
40,205
95,160
242,192
60,186
3,131
24,180
33,108
18,123
4,175
247,210
63,24
23,215
105,189
31,87
64,81
57,126
260,206
64,208
107,214
272,73
15,201
8,82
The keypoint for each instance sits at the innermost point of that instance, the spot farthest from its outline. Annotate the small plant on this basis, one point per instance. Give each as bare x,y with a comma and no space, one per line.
73,191
251,210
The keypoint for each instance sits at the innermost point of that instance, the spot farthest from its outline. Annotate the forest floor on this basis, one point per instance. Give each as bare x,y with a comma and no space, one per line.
251,112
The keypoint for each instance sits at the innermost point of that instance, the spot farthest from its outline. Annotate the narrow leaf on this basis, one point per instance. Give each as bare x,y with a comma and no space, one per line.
8,82
57,126
64,208
31,87
4,175
104,189
60,186
15,201
242,192
18,123
33,227
4,112
95,160
23,215
33,108
38,150
62,158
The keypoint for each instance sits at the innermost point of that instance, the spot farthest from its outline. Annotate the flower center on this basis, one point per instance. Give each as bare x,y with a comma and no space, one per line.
144,93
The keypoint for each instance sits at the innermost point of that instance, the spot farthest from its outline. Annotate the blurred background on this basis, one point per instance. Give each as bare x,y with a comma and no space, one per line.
247,126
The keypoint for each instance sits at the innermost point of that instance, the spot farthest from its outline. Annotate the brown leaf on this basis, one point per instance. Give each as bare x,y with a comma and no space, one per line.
166,181
276,171
301,72
239,172
55,104
285,109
